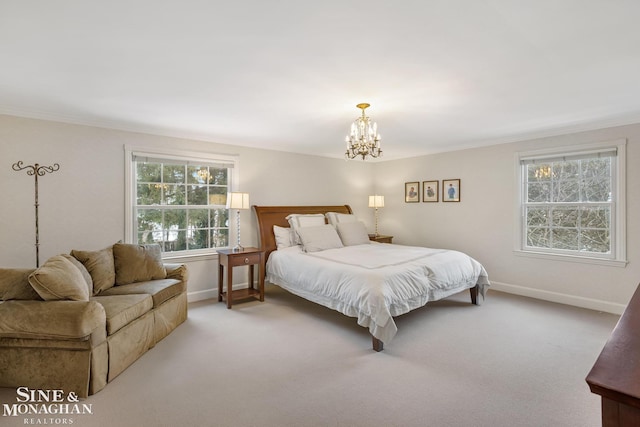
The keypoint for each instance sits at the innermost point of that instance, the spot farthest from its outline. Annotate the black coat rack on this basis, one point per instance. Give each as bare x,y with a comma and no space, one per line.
36,170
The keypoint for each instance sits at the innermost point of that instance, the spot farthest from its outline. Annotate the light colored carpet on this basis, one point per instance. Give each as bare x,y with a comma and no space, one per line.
511,362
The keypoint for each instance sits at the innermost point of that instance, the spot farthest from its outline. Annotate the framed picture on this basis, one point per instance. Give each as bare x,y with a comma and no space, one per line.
412,192
430,191
450,190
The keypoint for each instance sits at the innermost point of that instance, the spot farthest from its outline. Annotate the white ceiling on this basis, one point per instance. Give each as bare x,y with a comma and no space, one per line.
287,74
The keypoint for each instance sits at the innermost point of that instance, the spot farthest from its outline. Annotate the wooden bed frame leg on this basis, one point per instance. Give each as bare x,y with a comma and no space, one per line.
377,344
474,294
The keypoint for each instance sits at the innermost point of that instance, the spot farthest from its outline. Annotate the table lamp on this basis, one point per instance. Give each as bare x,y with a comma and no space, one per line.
238,201
376,202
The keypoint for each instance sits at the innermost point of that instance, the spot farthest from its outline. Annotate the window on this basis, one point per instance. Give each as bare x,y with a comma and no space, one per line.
572,202
179,201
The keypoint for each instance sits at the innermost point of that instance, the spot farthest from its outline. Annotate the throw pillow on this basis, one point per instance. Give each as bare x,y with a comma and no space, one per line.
319,238
297,221
83,270
335,217
353,233
14,284
284,237
137,263
59,279
100,266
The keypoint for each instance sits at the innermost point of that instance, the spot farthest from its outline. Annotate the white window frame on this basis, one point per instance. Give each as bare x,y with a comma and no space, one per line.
618,215
130,152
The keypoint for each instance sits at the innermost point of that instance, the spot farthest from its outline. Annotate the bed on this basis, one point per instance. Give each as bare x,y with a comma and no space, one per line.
373,282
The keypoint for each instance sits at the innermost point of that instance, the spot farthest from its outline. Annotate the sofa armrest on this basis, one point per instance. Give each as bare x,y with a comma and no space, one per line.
50,319
177,271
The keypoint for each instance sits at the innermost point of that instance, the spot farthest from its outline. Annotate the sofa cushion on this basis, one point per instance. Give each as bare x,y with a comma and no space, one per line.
137,263
59,279
50,319
121,310
14,284
160,290
100,266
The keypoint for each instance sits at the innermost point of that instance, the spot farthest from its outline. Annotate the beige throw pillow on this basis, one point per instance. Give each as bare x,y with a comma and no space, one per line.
14,284
353,233
138,263
100,266
284,237
334,218
297,221
83,270
319,238
59,279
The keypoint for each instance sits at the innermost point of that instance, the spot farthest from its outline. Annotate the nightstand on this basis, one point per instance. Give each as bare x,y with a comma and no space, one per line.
229,259
380,238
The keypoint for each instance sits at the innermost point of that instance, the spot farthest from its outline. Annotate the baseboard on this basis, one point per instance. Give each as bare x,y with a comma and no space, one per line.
202,295
593,304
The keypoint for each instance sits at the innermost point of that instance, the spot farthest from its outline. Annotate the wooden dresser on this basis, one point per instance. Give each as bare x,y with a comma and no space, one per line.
616,374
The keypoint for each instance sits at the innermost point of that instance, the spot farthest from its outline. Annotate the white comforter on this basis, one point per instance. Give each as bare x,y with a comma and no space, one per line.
375,282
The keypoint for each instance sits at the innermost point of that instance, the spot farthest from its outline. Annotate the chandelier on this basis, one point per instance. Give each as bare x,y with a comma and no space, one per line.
363,140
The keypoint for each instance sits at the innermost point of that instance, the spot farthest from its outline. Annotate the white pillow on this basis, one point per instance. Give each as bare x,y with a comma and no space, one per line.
284,237
305,220
297,221
353,233
319,238
335,217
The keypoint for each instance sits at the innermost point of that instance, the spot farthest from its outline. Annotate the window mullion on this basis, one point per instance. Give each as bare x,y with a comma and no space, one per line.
568,181
187,225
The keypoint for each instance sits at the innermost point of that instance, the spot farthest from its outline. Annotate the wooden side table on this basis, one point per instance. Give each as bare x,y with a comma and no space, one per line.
229,259
380,238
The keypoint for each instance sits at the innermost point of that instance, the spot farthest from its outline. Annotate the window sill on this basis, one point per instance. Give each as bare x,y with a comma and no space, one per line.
572,258
189,257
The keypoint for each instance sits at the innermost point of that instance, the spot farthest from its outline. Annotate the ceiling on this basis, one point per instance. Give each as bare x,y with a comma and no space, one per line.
287,74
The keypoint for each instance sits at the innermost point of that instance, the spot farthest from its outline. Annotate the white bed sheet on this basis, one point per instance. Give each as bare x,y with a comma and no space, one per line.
375,282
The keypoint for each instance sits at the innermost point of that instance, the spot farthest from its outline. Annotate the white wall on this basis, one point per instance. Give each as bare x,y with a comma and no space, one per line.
82,205
483,223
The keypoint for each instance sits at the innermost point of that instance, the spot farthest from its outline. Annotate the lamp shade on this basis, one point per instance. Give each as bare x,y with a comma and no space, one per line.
238,201
376,201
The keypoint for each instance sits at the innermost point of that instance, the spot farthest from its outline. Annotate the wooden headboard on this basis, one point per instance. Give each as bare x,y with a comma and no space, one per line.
268,216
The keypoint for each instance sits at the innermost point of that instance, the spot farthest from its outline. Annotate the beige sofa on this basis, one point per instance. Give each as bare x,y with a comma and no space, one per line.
80,320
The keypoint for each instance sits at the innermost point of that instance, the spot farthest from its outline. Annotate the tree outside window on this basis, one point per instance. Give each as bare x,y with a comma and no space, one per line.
181,205
572,203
